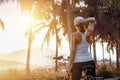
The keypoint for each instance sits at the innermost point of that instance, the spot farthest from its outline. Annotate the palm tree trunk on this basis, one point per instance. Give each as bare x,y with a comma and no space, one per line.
117,56
94,50
68,17
110,59
28,53
56,61
56,34
103,52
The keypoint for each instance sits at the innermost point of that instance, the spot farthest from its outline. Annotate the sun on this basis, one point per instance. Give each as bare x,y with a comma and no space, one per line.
27,18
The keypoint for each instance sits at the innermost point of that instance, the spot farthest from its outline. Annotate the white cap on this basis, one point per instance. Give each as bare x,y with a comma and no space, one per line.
79,20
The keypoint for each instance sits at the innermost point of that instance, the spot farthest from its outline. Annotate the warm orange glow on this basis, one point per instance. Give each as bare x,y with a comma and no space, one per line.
13,38
27,18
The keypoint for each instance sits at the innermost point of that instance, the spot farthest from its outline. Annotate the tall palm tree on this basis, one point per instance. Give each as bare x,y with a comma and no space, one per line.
27,6
48,13
102,10
56,34
107,16
110,21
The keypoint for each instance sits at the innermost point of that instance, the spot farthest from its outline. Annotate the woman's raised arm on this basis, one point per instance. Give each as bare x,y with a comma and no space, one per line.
91,25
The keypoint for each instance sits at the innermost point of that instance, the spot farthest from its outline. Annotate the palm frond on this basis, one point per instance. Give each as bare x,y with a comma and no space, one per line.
26,4
2,24
46,38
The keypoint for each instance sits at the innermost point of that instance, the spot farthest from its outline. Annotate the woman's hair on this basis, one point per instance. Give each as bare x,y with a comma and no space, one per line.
81,28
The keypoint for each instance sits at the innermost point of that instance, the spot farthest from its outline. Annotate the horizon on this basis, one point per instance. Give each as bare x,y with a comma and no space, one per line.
38,57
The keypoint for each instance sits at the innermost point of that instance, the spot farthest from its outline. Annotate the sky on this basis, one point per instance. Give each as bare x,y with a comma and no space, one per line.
13,38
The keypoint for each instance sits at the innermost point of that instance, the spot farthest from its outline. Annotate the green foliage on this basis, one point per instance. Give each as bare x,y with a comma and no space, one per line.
107,71
107,15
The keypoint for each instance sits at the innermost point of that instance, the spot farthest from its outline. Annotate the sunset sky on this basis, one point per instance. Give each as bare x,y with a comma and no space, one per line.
13,38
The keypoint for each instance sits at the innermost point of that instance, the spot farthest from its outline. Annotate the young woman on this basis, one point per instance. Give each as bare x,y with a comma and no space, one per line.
79,43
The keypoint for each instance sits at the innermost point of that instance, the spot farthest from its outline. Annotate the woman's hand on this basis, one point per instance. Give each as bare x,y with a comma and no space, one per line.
90,28
91,19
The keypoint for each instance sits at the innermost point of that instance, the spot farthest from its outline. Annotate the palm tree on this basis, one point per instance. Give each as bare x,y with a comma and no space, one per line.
109,25
48,9
107,16
28,32
56,34
101,10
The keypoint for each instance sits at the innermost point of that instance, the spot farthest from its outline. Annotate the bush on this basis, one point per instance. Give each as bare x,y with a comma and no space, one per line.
107,71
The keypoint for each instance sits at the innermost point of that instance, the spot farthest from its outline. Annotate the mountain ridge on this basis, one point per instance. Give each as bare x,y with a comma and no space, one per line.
37,56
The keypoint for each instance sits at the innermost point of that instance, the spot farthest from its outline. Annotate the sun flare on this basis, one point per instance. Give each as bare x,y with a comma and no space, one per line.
27,18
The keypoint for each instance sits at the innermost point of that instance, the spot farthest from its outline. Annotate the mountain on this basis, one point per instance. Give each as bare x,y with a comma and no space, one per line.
37,57
8,63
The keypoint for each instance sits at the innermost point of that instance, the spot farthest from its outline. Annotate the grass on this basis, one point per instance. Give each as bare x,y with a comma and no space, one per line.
36,74
43,73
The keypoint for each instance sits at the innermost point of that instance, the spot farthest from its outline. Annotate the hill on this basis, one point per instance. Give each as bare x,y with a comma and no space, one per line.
8,63
37,56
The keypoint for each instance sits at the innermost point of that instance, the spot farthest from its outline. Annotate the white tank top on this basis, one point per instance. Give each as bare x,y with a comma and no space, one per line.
81,53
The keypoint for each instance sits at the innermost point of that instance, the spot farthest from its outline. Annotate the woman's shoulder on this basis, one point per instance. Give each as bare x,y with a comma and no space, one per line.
75,34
